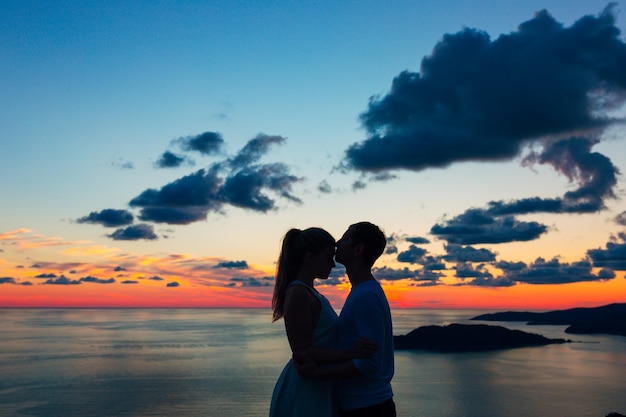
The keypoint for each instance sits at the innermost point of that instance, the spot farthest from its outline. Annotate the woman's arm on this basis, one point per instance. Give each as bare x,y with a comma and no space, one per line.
364,348
301,313
308,368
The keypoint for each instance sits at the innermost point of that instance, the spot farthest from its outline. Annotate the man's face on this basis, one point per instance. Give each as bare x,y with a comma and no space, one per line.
344,247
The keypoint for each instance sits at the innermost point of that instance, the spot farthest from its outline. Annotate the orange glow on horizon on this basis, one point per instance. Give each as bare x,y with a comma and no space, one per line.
147,294
187,281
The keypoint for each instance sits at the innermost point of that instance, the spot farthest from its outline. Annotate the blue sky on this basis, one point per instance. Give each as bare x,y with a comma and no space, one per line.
95,94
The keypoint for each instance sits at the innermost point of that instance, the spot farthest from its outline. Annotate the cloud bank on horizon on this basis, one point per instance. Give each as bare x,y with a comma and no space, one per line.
544,94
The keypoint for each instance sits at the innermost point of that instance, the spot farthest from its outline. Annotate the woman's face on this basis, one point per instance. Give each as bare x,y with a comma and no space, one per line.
323,262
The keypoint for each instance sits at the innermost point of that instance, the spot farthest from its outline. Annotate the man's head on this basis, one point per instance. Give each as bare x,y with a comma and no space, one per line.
362,240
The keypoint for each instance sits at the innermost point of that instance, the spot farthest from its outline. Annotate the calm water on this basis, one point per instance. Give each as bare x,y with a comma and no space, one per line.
187,363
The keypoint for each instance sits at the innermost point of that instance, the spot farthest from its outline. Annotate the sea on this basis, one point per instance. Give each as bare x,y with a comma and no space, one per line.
225,362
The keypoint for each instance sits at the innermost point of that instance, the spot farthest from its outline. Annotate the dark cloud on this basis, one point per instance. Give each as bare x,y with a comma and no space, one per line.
555,272
254,150
486,280
545,86
621,219
333,280
510,266
613,256
427,278
134,232
156,278
62,280
108,218
206,143
477,226
481,100
243,184
245,188
119,268
46,276
458,253
232,265
172,284
467,270
594,172
358,185
183,201
198,189
129,281
174,215
394,239
412,255
324,187
7,280
418,240
475,99
392,274
170,160
97,280
251,282
391,246
433,263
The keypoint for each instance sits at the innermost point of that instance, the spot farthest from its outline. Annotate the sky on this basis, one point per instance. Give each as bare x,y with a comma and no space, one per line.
154,153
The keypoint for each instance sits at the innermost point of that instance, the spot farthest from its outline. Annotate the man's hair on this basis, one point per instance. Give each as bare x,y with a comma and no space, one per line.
372,238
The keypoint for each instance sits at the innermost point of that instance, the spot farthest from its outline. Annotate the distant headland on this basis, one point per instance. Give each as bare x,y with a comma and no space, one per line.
608,319
469,337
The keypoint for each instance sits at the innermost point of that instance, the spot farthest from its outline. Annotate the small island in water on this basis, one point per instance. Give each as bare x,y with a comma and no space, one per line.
608,319
469,337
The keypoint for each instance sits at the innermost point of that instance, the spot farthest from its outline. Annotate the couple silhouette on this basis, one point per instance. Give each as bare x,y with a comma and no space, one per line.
341,365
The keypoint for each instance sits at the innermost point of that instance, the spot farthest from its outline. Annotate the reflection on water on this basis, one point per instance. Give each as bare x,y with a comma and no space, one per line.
225,363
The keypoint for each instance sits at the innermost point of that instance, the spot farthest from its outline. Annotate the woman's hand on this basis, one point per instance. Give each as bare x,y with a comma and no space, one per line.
305,365
364,348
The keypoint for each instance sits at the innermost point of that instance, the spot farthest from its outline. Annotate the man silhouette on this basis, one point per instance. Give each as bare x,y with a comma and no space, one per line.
366,313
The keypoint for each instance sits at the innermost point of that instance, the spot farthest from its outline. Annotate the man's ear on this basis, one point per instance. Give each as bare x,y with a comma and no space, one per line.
359,249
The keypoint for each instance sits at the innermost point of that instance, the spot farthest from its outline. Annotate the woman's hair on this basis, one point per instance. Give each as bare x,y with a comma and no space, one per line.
372,238
296,244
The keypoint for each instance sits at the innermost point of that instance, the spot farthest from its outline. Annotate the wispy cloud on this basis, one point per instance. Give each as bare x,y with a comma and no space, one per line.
24,240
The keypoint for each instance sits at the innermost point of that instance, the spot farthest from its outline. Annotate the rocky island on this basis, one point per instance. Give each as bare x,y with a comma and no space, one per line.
468,338
608,319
